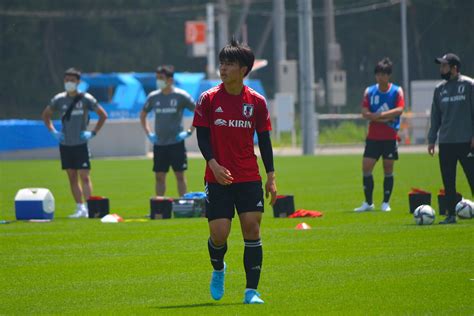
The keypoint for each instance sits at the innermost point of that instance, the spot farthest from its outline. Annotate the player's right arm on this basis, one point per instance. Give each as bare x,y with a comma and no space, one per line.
46,116
147,107
203,133
222,174
435,123
144,122
366,113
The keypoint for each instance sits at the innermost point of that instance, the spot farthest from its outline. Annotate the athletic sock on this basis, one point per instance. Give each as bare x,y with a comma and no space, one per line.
387,187
217,254
253,257
368,181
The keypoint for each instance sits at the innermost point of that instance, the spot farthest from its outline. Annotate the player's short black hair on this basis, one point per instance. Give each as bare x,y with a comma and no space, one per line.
238,52
73,72
384,66
167,70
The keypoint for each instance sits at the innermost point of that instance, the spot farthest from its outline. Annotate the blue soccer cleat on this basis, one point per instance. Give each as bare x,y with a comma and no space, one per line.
252,297
217,283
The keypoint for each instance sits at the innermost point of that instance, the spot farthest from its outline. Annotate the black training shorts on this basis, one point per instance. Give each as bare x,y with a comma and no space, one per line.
388,149
244,196
173,155
75,157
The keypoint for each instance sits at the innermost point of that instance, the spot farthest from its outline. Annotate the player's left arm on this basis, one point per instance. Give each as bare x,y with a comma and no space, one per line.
102,118
266,151
190,105
263,127
395,112
389,115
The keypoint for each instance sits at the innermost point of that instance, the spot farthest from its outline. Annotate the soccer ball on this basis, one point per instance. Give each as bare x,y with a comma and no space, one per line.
465,209
424,215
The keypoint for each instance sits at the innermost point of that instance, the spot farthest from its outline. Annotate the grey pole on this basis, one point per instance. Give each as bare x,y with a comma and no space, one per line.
242,19
223,22
306,69
211,49
279,40
406,83
330,42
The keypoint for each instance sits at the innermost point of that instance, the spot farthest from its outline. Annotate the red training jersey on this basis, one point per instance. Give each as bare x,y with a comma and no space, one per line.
376,100
233,120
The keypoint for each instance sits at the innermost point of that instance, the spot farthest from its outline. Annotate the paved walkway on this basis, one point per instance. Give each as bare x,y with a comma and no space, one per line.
331,150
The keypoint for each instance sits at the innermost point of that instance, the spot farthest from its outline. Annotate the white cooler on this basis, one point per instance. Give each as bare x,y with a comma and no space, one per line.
34,203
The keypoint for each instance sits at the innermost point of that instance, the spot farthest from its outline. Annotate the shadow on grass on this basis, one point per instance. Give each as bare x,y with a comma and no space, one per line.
196,305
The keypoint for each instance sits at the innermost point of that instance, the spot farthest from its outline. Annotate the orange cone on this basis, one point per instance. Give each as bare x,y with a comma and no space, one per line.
303,226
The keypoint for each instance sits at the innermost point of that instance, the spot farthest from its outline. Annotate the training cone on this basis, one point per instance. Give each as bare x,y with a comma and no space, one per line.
302,226
111,218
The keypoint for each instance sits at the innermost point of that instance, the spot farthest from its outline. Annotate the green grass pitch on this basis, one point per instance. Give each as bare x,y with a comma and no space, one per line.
349,263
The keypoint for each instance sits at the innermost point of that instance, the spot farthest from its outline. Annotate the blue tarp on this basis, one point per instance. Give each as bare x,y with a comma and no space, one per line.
128,94
26,134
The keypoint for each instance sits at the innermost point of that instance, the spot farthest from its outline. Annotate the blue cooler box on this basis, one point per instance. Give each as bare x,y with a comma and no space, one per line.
34,203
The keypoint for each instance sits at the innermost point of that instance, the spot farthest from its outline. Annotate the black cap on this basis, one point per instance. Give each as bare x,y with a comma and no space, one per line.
449,58
73,72
167,70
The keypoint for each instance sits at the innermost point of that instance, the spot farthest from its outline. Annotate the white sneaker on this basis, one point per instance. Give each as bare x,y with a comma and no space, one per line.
365,207
385,207
80,213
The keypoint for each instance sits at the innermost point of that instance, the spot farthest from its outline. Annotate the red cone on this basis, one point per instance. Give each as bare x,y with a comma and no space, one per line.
302,226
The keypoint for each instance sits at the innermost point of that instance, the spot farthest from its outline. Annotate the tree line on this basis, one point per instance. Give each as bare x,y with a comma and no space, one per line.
39,39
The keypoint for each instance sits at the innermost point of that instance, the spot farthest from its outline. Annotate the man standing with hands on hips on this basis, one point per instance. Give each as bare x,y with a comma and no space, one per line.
168,104
452,115
74,108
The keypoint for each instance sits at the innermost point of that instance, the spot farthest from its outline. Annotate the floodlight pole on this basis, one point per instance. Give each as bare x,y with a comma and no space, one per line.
306,76
331,61
279,40
210,36
406,83
223,22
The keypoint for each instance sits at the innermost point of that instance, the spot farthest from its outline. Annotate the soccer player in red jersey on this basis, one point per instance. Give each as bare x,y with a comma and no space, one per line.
226,118
382,106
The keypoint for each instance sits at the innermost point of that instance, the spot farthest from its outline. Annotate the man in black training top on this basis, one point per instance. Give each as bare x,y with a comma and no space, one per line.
452,115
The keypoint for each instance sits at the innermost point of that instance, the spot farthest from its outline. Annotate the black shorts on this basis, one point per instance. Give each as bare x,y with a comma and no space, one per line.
244,196
75,157
173,155
388,149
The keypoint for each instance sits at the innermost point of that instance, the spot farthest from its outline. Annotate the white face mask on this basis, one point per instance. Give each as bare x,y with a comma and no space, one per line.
70,86
160,84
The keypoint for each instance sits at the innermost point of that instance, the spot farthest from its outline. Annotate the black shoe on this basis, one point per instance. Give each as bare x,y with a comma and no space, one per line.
451,219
